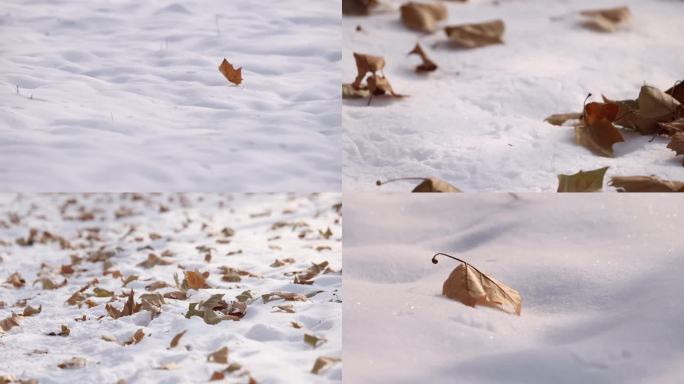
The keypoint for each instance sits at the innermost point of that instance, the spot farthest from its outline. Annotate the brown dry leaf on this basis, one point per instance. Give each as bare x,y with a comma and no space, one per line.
64,332
561,118
196,280
589,181
152,302
648,111
606,20
49,284
136,338
30,311
476,34
168,367
208,309
99,292
233,75
327,234
358,7
153,260
672,127
156,285
677,143
677,91
286,308
366,63
313,340
427,65
379,86
16,280
176,340
597,131
73,363
129,308
323,363
349,92
282,262
288,296
296,324
217,376
306,276
422,16
428,184
176,295
645,184
9,322
472,287
219,357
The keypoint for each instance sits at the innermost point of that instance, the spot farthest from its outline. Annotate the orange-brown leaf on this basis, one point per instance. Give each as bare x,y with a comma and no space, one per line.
233,75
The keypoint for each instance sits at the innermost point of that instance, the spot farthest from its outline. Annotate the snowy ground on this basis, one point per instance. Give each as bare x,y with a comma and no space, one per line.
477,121
599,276
126,95
264,342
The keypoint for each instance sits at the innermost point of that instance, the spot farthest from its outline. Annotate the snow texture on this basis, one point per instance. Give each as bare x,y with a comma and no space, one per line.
263,342
126,95
599,276
477,121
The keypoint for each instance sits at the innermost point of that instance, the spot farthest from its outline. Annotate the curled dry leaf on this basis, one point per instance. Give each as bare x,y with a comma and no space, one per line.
589,181
428,184
288,296
153,260
306,276
195,280
672,127
152,302
285,308
677,91
296,325
349,92
324,363
176,295
472,287
645,114
476,34
233,75
219,357
366,63
677,143
73,363
427,65
30,311
16,280
282,262
358,7
64,332
49,284
561,118
136,338
597,132
215,309
129,308
422,16
99,292
645,184
313,340
9,322
176,339
606,20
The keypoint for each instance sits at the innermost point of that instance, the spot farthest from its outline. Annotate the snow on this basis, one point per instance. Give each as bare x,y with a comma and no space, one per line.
599,276
263,342
126,95
477,122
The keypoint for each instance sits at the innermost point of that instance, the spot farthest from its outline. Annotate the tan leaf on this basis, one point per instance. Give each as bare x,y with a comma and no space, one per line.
472,287
349,92
156,285
561,118
9,322
64,332
176,295
306,276
476,34
313,340
136,338
99,292
73,363
428,184
672,127
176,340
152,302
153,260
282,262
647,113
108,338
286,308
645,184
422,16
366,63
288,296
220,356
16,280
589,181
49,284
233,75
30,311
379,86
606,20
427,65
324,363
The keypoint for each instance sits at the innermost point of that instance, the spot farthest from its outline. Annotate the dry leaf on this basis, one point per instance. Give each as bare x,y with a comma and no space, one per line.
645,114
9,322
233,75
306,276
589,181
323,363
208,309
349,92
672,127
427,65
645,184
73,363
561,118
366,63
99,292
152,302
288,296
30,311
220,356
153,260
176,340
282,262
597,131
313,340
176,295
16,280
472,287
49,284
136,338
286,308
108,338
606,20
358,7
64,332
677,143
196,280
422,16
677,91
428,184
296,325
476,34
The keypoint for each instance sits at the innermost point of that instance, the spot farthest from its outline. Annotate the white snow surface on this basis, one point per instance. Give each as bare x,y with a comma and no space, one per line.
477,122
126,95
263,341
599,276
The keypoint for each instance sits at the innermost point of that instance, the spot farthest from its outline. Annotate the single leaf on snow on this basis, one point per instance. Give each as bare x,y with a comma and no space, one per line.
16,280
152,302
589,181
196,280
136,338
219,357
9,322
73,363
323,363
176,295
153,260
129,308
428,184
233,75
30,311
606,20
296,325
597,132
473,288
380,85
313,340
422,16
176,339
64,332
49,284
645,184
99,292
358,7
285,308
427,65
561,118
476,34
288,296
215,309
